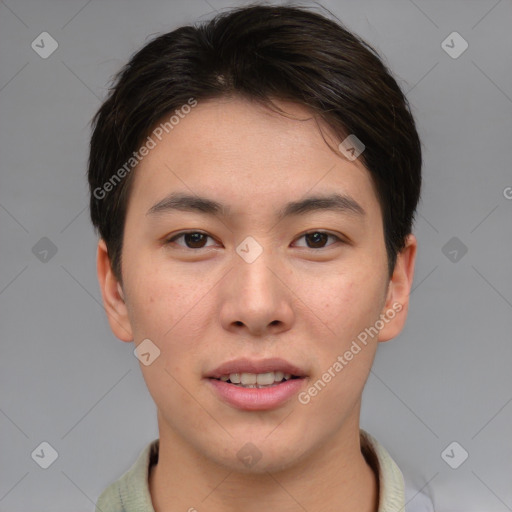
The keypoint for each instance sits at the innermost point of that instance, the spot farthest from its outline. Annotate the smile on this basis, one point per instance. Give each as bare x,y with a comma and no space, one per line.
256,385
256,380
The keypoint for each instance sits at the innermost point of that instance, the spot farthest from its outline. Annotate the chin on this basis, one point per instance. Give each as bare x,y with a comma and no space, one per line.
258,456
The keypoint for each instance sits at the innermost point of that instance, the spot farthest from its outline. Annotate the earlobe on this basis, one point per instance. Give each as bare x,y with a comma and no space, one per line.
399,288
113,296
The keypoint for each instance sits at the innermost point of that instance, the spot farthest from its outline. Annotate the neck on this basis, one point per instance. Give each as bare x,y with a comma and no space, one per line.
336,477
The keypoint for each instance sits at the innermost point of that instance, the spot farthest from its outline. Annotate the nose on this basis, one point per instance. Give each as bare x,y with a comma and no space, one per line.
256,299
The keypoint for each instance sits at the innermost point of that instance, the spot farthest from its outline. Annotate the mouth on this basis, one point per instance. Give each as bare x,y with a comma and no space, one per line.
257,380
256,385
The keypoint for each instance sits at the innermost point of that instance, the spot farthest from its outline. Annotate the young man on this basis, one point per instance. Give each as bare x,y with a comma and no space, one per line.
254,181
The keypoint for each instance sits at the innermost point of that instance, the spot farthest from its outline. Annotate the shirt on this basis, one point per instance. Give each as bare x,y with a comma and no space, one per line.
131,492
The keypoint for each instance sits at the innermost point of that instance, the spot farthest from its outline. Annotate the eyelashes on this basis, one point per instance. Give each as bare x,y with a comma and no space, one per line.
189,234
324,236
193,240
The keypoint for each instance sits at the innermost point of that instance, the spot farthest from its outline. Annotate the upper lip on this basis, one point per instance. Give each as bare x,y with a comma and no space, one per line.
255,366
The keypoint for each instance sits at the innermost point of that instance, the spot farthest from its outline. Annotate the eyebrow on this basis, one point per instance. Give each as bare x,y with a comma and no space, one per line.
340,203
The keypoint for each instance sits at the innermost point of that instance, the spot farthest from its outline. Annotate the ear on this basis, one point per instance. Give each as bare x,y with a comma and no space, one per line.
113,297
396,307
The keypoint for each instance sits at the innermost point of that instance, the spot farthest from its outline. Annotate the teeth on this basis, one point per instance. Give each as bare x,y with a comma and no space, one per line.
248,378
253,380
264,379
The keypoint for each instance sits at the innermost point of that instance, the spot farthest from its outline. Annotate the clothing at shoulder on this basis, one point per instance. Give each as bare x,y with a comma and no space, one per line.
131,492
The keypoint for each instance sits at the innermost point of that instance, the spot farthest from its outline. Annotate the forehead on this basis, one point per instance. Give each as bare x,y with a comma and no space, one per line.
237,149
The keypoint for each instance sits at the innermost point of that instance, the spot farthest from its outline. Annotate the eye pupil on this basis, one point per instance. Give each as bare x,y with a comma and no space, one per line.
194,238
316,238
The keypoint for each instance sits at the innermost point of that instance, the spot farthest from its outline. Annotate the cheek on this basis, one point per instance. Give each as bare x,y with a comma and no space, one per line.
345,302
161,301
174,315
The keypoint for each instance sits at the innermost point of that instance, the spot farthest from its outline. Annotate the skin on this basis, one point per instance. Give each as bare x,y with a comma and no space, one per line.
205,306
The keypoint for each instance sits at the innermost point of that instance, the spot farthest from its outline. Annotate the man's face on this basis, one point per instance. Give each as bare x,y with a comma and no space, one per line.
249,288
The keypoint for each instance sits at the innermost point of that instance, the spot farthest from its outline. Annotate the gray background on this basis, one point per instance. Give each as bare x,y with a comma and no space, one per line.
65,379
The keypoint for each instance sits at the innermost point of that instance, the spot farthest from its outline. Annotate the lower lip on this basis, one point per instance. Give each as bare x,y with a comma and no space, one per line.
257,399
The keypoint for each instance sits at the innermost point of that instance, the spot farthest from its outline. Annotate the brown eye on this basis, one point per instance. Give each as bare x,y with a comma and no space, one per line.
195,240
318,239
192,239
